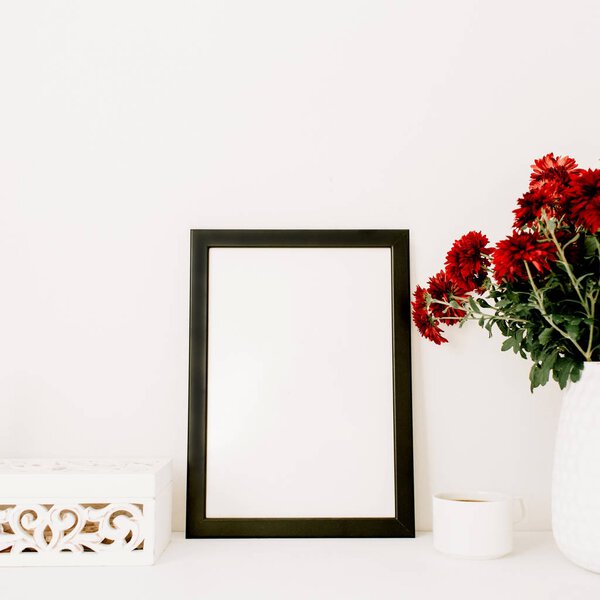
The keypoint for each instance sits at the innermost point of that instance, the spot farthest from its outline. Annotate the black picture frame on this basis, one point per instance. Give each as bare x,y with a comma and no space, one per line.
197,524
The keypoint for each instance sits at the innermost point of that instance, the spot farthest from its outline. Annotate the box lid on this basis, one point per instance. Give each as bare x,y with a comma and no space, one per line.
94,478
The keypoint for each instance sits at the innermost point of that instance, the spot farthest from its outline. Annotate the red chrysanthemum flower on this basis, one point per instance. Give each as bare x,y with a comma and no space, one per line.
531,205
467,261
553,174
584,200
420,301
441,287
511,254
426,323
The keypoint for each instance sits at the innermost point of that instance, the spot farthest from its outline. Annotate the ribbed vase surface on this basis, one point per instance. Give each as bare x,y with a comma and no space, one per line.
576,476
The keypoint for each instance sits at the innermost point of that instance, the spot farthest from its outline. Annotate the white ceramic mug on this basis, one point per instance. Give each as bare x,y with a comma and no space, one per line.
475,524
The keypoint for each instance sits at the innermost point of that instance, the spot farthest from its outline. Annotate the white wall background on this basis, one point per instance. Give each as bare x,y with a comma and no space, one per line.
125,123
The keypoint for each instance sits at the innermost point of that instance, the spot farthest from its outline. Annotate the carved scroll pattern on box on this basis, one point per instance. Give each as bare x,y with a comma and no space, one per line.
71,528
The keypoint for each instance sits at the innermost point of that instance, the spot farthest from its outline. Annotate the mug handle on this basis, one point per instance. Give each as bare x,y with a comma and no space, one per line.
522,510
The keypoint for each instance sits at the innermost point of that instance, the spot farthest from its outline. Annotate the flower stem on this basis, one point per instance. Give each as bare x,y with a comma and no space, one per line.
567,266
548,318
477,316
593,298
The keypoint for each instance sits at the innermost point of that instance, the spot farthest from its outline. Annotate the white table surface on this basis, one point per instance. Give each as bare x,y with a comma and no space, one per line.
316,568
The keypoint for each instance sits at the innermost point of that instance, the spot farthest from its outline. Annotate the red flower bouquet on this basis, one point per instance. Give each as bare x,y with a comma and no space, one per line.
539,286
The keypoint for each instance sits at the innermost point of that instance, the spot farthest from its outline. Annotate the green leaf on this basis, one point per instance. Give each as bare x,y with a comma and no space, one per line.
545,336
576,372
546,367
473,305
572,328
562,370
551,359
590,246
534,376
580,279
503,327
508,344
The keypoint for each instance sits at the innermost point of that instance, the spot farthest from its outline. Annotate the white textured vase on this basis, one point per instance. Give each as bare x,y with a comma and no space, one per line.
576,477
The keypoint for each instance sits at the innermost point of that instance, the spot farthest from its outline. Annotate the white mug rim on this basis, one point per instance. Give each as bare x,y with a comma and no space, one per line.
473,495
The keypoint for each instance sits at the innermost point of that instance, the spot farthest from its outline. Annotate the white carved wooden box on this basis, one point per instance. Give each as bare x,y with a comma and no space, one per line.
84,512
